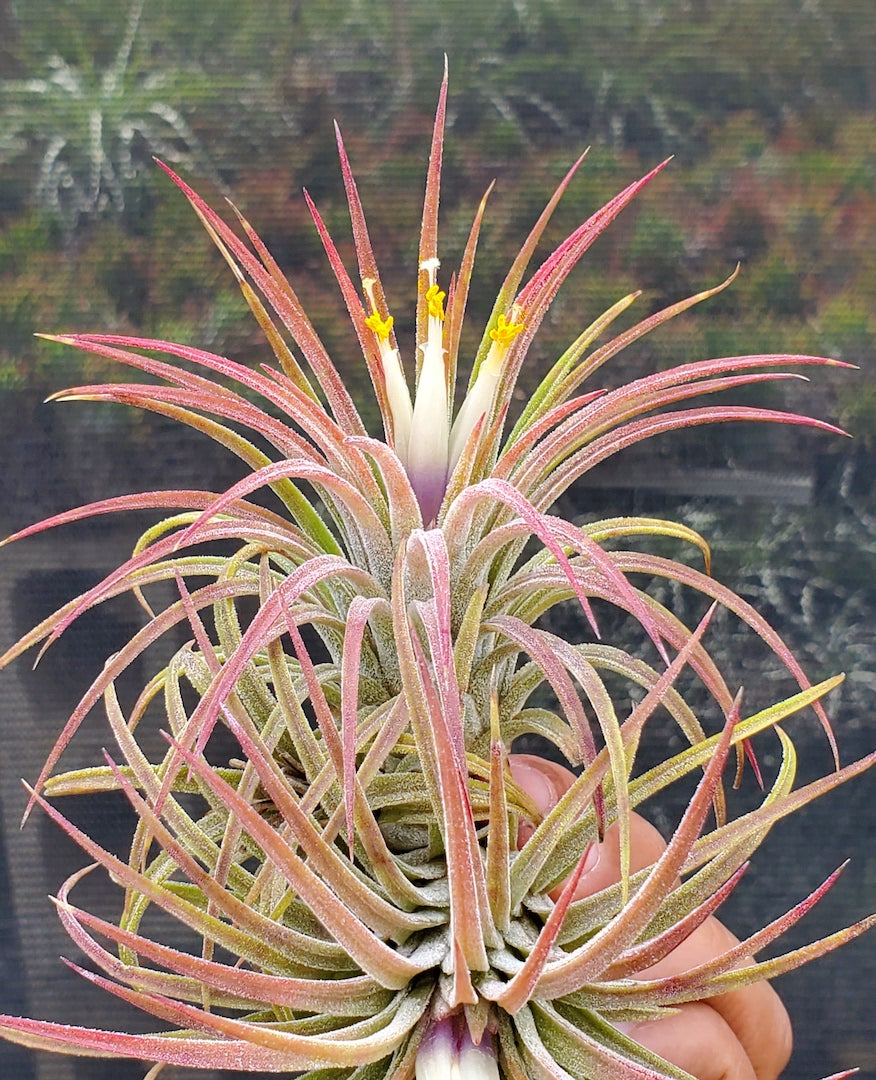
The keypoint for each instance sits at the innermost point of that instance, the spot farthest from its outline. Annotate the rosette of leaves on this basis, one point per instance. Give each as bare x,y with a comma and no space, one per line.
350,879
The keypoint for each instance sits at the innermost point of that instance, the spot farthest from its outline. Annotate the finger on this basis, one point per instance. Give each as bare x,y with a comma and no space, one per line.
755,1013
762,1025
646,847
698,1040
545,782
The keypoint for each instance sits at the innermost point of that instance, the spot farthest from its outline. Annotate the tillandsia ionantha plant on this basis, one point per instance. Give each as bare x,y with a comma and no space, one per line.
360,896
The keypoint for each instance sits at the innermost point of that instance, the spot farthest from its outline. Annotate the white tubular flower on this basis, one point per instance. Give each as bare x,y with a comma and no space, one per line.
447,1052
430,425
396,388
478,401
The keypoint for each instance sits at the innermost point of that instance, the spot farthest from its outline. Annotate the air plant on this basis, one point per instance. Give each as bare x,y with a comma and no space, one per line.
351,881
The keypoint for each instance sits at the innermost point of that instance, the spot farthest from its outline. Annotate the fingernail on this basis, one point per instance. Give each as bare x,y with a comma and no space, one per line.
536,785
591,859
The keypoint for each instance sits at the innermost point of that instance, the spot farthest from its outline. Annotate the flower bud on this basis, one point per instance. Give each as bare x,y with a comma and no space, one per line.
448,1052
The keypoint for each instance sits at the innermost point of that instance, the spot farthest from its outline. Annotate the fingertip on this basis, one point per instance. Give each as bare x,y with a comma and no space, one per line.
544,781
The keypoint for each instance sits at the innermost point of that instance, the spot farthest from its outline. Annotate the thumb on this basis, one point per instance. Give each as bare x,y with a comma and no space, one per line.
545,782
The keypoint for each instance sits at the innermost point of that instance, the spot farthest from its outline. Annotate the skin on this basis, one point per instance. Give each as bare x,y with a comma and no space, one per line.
741,1035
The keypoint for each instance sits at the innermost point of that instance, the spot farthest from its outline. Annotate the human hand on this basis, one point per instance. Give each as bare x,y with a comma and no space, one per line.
744,1034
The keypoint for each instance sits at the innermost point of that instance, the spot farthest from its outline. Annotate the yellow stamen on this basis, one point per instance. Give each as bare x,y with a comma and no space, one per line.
478,402
381,327
435,300
506,330
397,393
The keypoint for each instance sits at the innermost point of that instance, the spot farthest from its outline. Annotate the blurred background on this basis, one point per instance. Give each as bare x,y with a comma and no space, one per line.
768,109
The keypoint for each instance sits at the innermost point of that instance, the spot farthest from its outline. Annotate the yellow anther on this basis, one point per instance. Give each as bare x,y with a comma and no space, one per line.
504,332
381,327
435,300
